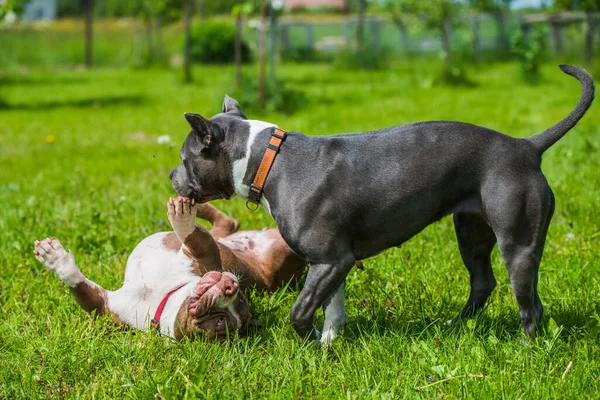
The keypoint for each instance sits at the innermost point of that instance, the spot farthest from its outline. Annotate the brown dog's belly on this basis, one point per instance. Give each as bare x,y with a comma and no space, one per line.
269,261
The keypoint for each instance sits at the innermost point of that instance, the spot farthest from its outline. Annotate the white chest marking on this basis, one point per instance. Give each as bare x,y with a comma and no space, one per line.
240,166
152,271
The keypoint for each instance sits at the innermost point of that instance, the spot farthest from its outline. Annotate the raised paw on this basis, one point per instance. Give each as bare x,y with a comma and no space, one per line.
182,214
52,254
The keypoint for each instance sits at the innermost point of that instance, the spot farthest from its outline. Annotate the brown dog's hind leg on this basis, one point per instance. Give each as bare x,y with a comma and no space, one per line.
222,224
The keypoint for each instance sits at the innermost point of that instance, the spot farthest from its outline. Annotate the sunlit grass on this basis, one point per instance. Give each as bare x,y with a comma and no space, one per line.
79,160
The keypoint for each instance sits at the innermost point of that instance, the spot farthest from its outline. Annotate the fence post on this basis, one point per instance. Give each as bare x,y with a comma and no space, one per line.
310,39
284,31
556,30
376,32
588,50
476,37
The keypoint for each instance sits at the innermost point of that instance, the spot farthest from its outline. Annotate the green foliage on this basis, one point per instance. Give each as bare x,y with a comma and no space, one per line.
584,5
79,160
170,10
15,6
433,13
529,52
367,58
305,54
282,98
214,42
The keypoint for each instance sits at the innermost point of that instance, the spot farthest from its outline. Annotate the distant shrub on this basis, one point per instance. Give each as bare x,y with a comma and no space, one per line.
281,99
370,58
529,53
305,54
214,42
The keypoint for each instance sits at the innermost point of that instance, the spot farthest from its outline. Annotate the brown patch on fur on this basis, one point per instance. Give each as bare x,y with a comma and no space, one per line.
276,265
187,325
200,247
222,224
90,297
181,328
171,242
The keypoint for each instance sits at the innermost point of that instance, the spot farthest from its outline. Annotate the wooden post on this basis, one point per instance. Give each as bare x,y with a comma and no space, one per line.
284,31
446,43
238,50
525,28
187,51
360,28
556,30
310,39
376,33
588,50
262,54
159,47
149,45
89,15
272,29
476,38
501,39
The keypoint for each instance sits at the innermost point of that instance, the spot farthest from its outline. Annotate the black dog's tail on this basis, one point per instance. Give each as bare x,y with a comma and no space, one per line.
543,140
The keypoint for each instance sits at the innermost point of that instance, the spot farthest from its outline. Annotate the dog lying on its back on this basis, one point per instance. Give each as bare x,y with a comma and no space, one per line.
342,198
185,283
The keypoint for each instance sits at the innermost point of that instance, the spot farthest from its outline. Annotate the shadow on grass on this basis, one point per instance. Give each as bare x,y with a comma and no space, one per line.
576,323
79,103
25,80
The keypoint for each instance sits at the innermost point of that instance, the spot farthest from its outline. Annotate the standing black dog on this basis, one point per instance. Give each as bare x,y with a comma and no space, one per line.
341,198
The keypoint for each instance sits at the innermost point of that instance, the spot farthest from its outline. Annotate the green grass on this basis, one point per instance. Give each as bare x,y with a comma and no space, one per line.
79,161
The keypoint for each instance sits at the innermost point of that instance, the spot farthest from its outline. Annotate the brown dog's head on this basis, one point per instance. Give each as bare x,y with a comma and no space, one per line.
217,309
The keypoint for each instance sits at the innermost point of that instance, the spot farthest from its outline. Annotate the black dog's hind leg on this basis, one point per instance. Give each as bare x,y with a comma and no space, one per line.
520,221
475,242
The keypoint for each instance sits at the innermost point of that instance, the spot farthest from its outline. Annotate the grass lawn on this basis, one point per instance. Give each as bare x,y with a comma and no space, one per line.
79,160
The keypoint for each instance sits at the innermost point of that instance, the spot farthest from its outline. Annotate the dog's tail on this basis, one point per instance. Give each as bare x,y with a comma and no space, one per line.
543,140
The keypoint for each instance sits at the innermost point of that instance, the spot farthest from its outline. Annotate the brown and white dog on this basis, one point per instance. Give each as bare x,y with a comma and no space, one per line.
185,283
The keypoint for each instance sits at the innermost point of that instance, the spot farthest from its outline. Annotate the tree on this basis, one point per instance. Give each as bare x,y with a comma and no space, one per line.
397,10
590,7
498,10
187,22
262,61
436,14
360,27
88,7
239,11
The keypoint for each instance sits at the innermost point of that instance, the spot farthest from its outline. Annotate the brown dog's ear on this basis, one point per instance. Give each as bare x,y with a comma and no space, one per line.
202,127
231,106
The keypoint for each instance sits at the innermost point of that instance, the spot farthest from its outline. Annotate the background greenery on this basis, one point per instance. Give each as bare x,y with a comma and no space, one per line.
80,160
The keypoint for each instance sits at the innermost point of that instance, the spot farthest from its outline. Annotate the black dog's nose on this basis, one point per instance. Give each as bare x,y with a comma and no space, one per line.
171,175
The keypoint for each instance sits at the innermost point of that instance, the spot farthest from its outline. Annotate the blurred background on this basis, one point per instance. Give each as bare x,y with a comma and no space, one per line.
455,38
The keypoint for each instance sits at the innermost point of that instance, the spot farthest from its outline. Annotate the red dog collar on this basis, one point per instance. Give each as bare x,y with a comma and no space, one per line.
155,322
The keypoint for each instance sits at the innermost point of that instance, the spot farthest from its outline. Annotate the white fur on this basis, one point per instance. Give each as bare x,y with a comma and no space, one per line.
51,253
240,166
335,317
152,271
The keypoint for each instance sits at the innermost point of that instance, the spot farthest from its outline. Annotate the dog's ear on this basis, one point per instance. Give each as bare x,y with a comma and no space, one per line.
202,127
231,106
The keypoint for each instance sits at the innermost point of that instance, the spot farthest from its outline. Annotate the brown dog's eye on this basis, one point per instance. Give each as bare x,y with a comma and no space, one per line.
221,322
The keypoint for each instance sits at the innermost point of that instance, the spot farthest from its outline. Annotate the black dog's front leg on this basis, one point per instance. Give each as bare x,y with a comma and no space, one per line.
322,281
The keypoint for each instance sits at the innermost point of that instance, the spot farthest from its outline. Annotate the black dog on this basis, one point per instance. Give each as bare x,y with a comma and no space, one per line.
341,198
